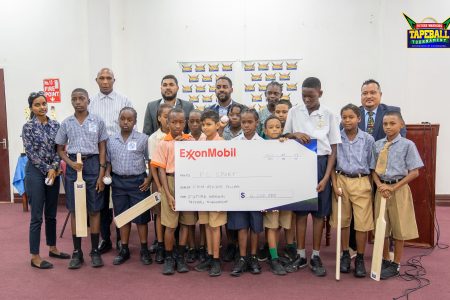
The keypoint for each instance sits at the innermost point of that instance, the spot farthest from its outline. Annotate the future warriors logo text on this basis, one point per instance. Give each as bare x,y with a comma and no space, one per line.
210,152
428,34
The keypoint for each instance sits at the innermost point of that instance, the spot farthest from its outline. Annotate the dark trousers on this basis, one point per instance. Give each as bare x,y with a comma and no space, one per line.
106,217
43,199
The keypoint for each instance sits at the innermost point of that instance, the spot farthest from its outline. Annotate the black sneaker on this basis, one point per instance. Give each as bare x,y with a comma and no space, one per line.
297,264
104,246
77,260
202,254
122,257
391,271
291,253
316,266
153,247
345,262
191,256
159,257
215,268
360,268
239,268
96,259
277,268
146,258
253,265
182,267
169,266
385,264
230,253
204,265
263,253
118,245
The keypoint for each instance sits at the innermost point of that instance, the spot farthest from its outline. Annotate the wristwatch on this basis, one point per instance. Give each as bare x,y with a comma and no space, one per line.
103,166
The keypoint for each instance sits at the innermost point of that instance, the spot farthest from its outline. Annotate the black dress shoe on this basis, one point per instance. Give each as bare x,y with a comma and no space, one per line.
61,255
96,259
77,260
146,258
122,257
43,265
104,246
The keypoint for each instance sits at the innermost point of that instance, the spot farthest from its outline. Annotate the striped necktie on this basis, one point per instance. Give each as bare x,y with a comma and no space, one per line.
382,159
370,123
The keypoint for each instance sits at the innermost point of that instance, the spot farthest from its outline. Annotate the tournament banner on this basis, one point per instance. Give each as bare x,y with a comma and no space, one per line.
232,176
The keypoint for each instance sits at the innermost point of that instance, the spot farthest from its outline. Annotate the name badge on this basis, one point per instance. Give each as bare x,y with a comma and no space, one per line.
320,122
131,146
92,127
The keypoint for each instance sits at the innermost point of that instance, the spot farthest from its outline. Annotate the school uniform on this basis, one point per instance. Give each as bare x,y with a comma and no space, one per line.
84,139
164,158
153,142
246,219
127,160
322,125
228,134
352,175
212,218
402,158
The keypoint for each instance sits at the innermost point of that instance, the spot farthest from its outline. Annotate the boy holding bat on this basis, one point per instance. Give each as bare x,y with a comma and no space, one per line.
84,133
396,162
352,176
127,152
164,160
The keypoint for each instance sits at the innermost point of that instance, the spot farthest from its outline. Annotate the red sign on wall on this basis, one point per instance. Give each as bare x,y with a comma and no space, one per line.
52,90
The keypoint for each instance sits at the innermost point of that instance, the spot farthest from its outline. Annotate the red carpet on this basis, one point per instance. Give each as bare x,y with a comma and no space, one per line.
135,281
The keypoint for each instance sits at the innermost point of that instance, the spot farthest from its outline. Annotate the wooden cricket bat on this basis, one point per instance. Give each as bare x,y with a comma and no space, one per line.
338,238
380,230
80,203
137,209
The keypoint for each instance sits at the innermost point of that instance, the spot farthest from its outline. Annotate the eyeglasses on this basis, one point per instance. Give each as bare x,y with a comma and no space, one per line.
37,94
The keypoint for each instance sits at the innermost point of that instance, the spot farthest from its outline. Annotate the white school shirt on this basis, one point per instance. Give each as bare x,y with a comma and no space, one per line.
321,124
154,140
242,137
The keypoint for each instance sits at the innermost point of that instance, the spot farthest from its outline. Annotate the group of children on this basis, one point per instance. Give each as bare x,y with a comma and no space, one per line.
349,162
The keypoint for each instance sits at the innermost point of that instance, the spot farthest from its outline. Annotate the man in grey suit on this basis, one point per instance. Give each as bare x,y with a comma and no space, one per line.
373,111
169,90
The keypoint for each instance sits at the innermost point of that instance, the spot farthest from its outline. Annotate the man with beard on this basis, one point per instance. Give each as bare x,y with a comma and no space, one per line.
224,88
169,90
107,104
274,92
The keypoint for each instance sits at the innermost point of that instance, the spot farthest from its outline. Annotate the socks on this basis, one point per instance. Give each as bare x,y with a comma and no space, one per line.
301,252
315,253
94,240
169,253
76,242
360,255
291,246
143,246
181,250
161,244
273,253
346,252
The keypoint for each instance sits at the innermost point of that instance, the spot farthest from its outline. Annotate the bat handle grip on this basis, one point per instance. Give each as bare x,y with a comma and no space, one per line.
79,173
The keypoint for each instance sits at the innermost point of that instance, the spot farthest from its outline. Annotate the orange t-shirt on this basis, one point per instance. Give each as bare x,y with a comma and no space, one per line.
164,156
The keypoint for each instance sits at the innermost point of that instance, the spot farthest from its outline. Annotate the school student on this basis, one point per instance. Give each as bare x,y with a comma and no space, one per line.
273,220
282,108
211,219
153,141
233,129
352,175
127,152
84,133
304,122
396,162
243,221
164,159
42,178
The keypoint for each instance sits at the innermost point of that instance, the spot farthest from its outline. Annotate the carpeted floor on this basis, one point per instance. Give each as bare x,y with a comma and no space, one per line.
135,281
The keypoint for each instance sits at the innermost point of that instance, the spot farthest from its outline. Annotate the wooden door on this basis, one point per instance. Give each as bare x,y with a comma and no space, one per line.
5,186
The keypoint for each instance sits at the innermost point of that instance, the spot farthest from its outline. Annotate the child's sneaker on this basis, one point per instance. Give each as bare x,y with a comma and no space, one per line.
391,271
253,265
77,259
169,266
360,268
239,268
277,268
345,262
317,267
215,268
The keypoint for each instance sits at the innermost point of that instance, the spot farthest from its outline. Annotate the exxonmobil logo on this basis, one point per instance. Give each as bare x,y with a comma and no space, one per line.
210,152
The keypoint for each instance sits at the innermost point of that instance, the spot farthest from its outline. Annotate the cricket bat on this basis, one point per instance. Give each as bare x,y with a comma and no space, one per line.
137,209
338,238
80,203
380,230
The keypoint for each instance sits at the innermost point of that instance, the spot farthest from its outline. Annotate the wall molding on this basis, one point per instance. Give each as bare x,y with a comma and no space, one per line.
442,199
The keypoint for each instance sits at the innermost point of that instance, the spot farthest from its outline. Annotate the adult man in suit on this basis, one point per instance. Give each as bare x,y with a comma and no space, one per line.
224,89
169,90
373,111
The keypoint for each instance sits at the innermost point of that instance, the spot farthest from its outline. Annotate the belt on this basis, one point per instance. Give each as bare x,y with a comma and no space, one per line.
83,157
170,174
129,176
359,175
391,181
